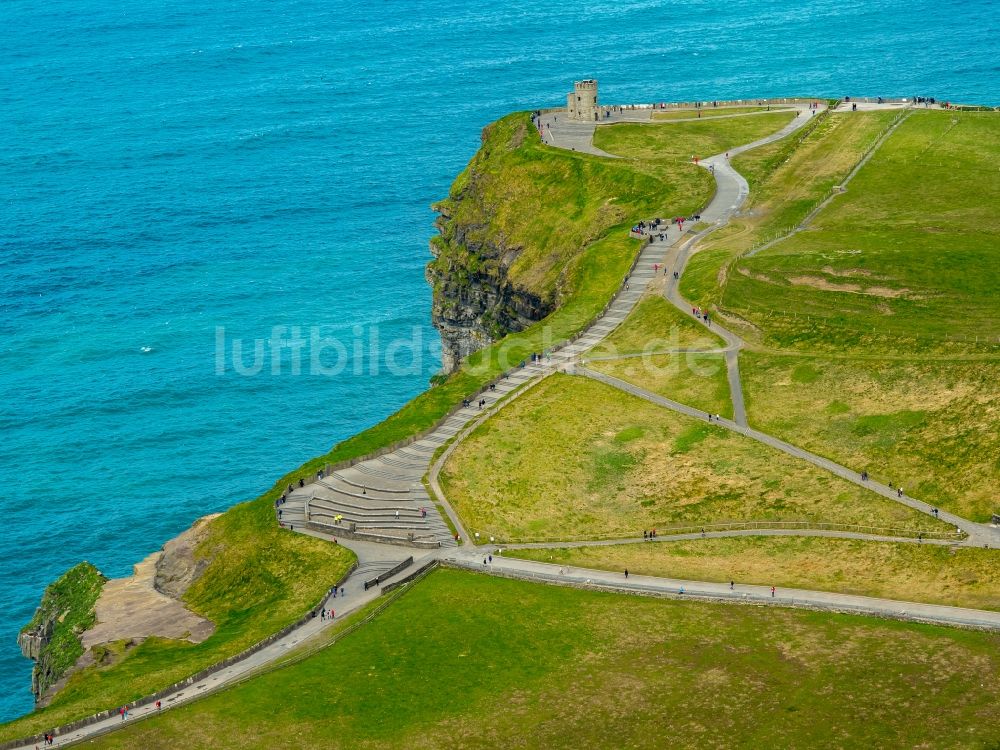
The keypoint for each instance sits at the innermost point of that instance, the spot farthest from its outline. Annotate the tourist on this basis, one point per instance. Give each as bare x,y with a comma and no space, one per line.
626,574
772,592
491,559
644,535
899,492
158,705
732,584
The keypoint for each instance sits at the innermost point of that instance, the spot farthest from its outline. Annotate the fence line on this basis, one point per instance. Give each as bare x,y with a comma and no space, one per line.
669,531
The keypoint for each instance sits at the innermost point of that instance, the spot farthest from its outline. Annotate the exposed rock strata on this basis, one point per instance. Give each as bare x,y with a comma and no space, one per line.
52,638
475,302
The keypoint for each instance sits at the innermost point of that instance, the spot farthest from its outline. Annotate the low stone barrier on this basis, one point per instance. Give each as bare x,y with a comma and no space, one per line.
426,567
389,573
669,531
343,532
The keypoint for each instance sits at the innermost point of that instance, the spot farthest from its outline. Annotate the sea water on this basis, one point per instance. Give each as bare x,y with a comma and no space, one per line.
181,179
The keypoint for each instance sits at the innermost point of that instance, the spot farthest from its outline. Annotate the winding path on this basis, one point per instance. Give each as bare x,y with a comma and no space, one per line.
385,497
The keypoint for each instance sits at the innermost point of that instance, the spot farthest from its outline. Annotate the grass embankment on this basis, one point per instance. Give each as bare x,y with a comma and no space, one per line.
707,113
574,458
787,179
655,325
678,142
960,577
575,668
904,261
65,613
929,425
697,380
260,578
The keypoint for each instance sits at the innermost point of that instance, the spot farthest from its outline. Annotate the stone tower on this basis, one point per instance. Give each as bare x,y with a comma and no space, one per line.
581,102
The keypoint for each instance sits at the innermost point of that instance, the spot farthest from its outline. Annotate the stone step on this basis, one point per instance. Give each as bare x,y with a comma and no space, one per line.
347,476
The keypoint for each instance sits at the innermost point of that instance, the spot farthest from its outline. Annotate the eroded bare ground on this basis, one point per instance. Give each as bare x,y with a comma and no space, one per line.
133,609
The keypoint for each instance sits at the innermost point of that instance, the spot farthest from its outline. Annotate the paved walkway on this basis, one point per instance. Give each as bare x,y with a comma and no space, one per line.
742,593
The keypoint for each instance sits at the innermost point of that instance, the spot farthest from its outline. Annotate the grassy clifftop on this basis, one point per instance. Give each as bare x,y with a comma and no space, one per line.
52,638
519,219
540,206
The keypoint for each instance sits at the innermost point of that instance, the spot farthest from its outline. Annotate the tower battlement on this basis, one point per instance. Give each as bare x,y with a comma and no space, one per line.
581,102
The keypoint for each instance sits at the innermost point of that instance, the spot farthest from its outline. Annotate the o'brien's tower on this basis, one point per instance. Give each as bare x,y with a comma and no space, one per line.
581,102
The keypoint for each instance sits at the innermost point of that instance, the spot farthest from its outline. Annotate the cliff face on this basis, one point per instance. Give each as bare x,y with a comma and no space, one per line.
475,299
52,638
514,228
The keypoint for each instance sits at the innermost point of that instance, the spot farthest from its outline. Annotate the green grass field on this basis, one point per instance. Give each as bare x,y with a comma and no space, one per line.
574,458
710,112
905,260
655,325
962,577
678,142
698,380
927,425
465,660
787,178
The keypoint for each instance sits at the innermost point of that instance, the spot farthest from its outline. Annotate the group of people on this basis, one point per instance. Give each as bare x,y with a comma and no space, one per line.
656,228
701,314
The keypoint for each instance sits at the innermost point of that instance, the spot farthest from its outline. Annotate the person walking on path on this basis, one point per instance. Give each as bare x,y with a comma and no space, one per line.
772,592
626,574
731,585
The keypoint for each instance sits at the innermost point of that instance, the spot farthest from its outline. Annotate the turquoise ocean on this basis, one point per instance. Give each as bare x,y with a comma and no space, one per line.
176,174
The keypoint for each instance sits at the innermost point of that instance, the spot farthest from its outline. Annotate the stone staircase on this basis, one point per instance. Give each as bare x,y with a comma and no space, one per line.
384,499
